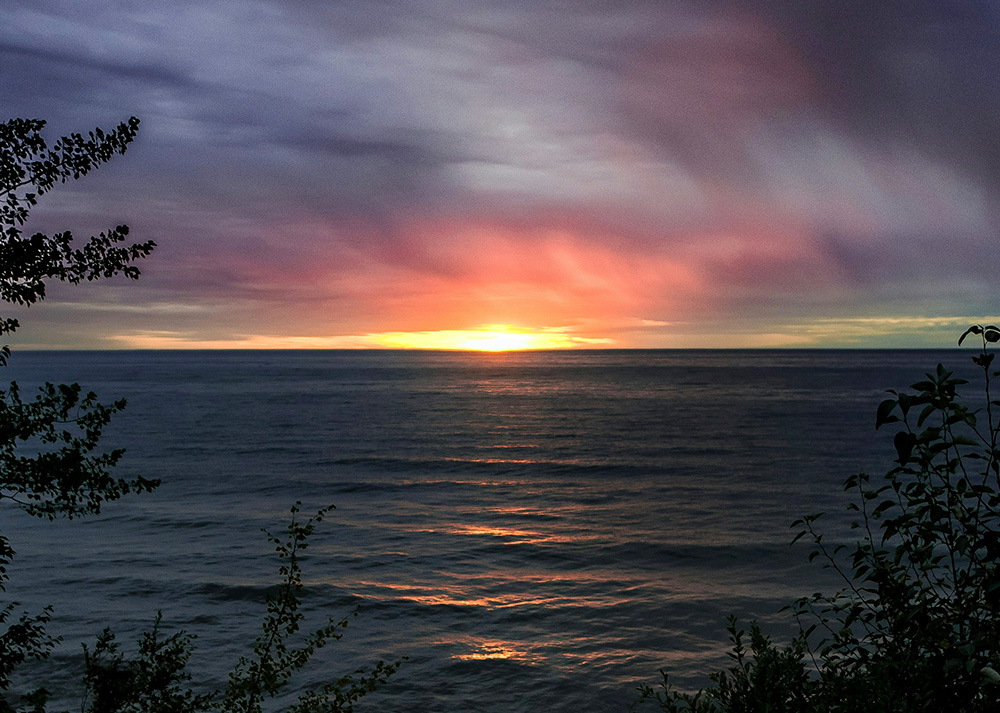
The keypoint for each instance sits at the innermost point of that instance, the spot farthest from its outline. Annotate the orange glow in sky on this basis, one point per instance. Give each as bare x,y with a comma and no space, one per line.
489,338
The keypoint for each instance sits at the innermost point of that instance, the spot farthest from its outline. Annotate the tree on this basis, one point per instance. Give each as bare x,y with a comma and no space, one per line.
52,465
50,461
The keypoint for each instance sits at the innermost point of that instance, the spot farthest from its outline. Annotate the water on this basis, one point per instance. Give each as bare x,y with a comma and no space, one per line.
534,531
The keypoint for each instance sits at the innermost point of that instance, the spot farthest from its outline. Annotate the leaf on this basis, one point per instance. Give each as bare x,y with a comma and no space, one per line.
905,401
904,443
883,415
882,507
984,360
974,329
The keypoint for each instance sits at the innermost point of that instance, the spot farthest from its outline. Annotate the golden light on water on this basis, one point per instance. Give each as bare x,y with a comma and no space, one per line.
492,649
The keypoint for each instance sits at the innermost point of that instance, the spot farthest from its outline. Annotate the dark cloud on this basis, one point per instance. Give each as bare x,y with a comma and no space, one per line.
30,62
922,72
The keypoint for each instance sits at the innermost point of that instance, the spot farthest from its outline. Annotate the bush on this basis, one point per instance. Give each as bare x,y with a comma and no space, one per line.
916,626
156,679
52,465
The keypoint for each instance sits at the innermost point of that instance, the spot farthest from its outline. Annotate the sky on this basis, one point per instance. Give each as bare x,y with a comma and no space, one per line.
499,173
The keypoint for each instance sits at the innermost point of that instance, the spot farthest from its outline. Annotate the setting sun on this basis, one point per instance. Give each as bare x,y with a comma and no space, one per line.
488,338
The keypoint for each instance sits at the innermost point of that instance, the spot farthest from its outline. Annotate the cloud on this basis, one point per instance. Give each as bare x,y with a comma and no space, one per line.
367,167
147,308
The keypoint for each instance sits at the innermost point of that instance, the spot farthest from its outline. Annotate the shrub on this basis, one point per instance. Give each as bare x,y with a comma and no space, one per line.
916,626
52,465
156,679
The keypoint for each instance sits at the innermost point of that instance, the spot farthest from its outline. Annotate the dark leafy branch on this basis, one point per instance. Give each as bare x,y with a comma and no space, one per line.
156,678
916,626
275,660
51,462
154,681
52,465
28,261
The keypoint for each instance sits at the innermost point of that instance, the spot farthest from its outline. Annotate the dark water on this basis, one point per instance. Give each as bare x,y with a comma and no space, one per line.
535,531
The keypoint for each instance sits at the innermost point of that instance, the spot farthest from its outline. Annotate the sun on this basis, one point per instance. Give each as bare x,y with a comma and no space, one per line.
488,338
493,340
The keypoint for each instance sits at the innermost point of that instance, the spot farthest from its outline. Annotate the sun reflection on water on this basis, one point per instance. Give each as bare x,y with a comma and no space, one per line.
506,535
504,589
492,649
449,596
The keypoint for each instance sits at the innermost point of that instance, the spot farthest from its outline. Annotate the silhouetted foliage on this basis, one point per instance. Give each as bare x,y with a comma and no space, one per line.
266,673
51,466
157,680
917,625
765,678
28,170
152,682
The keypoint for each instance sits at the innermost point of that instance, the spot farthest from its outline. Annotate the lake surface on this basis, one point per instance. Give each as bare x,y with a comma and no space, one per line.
534,531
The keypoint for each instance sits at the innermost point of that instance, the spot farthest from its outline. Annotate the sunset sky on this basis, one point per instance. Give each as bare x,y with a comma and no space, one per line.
341,173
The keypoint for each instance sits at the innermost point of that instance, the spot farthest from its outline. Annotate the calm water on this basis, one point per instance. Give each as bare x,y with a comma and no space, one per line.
535,531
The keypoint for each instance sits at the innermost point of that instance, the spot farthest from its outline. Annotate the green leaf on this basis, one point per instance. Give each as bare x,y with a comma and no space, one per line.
984,360
904,443
882,507
928,410
884,413
974,329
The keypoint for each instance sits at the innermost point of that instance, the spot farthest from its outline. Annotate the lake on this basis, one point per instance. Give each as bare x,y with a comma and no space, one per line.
533,530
